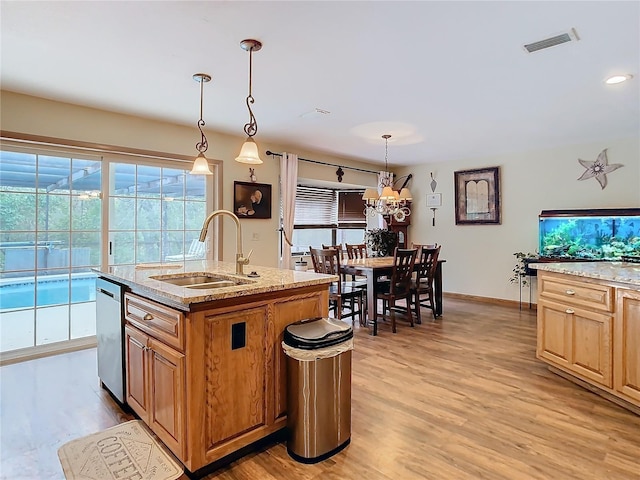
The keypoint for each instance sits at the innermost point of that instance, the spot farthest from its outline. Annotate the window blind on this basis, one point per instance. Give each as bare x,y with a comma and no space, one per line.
350,208
315,207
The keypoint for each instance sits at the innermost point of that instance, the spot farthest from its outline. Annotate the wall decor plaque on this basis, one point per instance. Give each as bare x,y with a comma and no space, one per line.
477,194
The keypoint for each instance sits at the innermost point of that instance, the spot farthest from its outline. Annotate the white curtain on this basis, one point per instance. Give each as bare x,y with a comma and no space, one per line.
288,185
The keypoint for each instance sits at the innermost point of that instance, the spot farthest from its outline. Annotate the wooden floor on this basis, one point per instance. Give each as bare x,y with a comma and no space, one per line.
462,397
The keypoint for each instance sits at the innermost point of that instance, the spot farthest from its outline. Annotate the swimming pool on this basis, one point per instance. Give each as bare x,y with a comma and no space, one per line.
45,291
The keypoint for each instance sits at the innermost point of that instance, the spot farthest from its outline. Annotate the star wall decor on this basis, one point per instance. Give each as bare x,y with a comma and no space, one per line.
599,168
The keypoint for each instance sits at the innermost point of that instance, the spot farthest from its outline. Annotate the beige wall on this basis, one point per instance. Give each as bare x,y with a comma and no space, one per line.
480,257
37,116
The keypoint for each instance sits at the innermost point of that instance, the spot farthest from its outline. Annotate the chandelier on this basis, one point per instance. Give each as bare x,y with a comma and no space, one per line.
389,203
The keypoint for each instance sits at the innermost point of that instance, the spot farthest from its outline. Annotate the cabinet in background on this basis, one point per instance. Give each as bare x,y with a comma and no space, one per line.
627,345
590,329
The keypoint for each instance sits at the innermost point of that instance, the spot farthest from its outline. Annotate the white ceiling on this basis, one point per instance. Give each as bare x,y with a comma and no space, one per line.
448,80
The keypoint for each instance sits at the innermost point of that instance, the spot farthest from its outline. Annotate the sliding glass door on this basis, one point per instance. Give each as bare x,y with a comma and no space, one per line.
52,234
155,214
50,230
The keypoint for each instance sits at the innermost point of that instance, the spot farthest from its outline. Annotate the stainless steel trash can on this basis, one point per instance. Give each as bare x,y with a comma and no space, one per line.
318,354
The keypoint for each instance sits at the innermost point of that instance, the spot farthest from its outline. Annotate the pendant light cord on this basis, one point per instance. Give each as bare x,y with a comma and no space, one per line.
387,181
386,153
250,128
202,145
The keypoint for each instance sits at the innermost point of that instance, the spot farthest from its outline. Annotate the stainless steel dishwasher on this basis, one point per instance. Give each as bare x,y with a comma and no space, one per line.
110,336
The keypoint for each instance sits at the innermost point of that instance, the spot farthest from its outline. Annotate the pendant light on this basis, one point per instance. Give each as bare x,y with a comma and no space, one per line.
201,165
249,151
389,203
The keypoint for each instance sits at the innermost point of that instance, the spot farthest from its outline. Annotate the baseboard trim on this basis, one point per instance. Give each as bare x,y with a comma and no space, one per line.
31,353
493,301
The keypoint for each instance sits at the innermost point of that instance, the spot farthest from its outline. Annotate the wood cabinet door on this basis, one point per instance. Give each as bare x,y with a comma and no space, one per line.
592,346
578,340
137,371
554,334
627,345
167,395
234,371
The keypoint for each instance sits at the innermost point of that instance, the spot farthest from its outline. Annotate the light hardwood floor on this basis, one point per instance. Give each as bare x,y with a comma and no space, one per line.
462,397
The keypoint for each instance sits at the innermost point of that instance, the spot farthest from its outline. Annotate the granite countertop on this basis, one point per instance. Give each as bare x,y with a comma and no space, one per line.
139,279
620,272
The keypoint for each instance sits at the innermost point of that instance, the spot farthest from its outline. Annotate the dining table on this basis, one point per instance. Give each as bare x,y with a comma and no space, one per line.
375,267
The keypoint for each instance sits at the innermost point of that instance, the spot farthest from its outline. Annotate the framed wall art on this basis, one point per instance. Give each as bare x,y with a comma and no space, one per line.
252,200
434,199
477,194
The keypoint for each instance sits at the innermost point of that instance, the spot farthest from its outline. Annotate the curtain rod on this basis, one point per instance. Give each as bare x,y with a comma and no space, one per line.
325,163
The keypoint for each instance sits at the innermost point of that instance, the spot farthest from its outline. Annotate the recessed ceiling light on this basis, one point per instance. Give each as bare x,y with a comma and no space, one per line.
612,80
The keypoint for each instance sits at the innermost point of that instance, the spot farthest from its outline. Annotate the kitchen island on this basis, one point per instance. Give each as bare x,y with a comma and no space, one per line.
589,326
204,365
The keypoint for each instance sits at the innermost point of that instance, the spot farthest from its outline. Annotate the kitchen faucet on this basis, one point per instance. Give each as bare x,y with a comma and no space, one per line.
240,260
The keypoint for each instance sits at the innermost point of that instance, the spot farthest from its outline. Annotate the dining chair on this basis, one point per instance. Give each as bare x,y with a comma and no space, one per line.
327,260
399,285
423,245
343,255
342,251
358,282
356,250
422,285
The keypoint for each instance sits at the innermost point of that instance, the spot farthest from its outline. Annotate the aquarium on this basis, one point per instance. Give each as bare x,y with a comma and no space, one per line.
599,234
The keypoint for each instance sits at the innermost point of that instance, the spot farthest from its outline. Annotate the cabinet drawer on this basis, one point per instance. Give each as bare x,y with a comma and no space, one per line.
581,293
159,321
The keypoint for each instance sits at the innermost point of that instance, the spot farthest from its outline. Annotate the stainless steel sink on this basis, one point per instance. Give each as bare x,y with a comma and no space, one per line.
201,280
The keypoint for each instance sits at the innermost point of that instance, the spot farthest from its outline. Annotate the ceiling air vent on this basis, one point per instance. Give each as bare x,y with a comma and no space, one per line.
570,36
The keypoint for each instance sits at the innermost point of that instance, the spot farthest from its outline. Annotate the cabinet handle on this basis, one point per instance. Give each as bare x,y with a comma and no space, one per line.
568,310
570,292
148,317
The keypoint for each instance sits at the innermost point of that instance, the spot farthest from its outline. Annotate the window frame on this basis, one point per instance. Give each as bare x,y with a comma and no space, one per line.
107,156
304,192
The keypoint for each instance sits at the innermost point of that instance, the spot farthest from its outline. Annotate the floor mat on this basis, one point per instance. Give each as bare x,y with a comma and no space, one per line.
125,451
